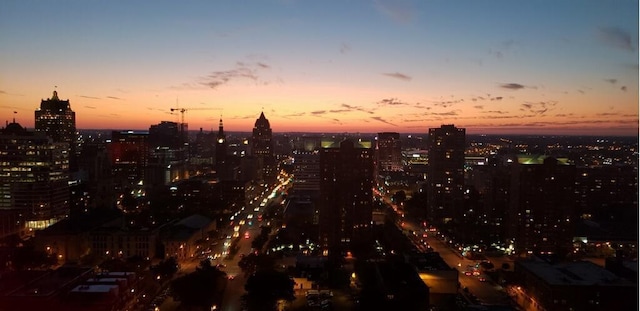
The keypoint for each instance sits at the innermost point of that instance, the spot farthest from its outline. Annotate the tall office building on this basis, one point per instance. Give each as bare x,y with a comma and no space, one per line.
445,173
56,119
262,149
542,203
388,152
221,148
34,180
346,194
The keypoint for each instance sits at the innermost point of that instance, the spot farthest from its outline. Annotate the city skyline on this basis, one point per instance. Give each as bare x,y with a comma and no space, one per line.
567,68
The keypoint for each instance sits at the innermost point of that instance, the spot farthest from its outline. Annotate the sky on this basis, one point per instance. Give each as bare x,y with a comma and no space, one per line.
492,67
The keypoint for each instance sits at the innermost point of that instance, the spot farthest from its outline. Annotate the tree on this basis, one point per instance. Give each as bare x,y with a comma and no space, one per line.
202,288
252,263
399,197
165,268
265,287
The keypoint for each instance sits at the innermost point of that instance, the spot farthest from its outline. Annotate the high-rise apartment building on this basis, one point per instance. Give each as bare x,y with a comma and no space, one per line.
445,173
346,194
34,179
542,203
388,152
262,149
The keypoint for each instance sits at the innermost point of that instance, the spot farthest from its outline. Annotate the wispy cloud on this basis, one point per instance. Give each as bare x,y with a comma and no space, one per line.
478,106
380,119
398,75
391,102
401,11
318,112
90,107
89,97
356,108
344,48
616,37
512,86
539,108
113,97
242,70
612,81
623,88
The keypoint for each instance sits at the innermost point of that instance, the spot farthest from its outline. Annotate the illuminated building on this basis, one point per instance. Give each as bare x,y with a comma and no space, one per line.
445,173
346,194
221,148
388,152
262,149
56,119
128,151
542,201
34,179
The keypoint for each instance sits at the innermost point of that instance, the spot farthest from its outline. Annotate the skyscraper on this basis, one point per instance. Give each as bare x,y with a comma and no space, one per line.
346,194
445,173
388,152
221,148
262,149
542,203
34,179
56,119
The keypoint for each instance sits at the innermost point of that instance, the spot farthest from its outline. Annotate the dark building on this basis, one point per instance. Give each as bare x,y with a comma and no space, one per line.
580,285
221,150
346,198
388,152
445,173
34,183
542,201
129,154
262,149
56,119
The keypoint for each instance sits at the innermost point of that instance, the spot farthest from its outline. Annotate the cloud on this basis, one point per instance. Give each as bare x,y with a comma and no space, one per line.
448,113
612,81
623,88
391,102
398,75
539,108
344,48
242,70
90,107
616,37
3,92
380,119
479,107
318,112
89,97
512,86
113,97
356,108
496,98
401,11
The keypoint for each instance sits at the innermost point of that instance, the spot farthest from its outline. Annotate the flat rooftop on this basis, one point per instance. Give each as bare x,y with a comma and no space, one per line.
579,273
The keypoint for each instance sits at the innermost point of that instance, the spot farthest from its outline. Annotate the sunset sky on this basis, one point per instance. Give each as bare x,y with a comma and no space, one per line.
551,67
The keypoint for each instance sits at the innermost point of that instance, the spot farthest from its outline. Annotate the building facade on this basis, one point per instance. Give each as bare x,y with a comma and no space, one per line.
34,179
262,149
388,152
445,173
346,194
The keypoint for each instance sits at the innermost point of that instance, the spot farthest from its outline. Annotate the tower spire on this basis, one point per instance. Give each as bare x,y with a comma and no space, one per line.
55,93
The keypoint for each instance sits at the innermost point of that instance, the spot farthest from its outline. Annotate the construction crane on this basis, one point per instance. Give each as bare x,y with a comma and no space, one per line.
183,110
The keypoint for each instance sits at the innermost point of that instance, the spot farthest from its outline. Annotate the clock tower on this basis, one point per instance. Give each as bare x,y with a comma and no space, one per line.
221,148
